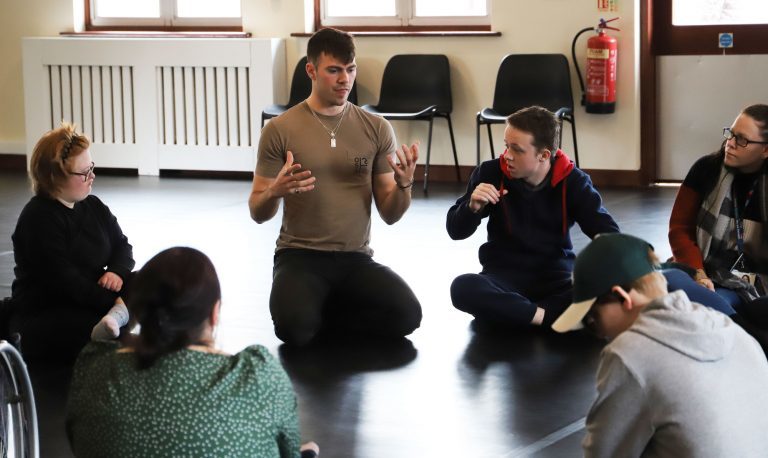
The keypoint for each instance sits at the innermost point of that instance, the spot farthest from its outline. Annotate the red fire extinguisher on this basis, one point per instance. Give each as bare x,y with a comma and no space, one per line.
602,50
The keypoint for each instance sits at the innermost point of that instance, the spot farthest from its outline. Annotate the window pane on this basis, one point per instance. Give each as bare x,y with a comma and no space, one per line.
717,12
208,8
122,8
450,8
360,8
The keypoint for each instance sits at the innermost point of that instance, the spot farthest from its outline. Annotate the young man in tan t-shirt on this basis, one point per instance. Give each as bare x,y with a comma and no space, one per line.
327,160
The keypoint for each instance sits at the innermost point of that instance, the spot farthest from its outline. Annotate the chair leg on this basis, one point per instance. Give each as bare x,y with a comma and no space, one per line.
453,145
429,151
575,145
477,137
490,141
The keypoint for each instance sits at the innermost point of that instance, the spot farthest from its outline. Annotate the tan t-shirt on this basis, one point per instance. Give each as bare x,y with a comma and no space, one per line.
336,215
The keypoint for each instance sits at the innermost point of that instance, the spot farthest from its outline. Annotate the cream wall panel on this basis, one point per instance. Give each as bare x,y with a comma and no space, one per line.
21,18
698,96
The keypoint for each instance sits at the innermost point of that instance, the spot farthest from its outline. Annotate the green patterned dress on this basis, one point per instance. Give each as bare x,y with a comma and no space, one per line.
190,403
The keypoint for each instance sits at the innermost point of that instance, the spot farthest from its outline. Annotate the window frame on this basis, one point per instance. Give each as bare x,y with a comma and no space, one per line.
405,22
168,21
668,39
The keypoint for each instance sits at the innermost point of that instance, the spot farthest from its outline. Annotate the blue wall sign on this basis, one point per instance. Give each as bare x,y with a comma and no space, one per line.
726,40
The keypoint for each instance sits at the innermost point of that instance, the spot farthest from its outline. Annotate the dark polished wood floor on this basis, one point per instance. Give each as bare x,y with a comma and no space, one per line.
446,391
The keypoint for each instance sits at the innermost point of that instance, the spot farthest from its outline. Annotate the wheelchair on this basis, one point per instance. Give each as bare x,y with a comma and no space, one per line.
18,415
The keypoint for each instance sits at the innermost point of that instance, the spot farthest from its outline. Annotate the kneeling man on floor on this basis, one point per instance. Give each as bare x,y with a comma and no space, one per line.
677,379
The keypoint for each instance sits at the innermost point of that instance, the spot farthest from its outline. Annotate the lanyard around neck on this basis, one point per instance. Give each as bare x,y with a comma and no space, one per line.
739,220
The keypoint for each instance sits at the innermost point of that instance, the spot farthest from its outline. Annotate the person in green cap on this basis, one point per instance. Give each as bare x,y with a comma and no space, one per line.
677,378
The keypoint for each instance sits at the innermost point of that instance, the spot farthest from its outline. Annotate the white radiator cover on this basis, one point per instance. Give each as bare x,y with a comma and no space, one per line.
152,104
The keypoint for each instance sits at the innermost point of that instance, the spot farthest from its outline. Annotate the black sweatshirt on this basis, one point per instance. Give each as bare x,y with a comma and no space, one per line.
61,253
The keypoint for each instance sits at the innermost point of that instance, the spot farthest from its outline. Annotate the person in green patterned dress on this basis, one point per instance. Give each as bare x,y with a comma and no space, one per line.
168,391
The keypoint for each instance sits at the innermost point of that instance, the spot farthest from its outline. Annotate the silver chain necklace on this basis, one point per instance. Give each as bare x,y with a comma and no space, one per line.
332,133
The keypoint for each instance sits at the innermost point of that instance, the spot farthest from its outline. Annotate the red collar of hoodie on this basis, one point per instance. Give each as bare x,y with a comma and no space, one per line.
561,168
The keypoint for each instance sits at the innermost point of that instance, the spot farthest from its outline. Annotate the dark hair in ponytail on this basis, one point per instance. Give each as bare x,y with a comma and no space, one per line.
759,113
172,298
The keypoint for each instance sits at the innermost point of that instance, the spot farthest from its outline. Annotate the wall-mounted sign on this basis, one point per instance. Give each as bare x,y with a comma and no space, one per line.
607,5
725,40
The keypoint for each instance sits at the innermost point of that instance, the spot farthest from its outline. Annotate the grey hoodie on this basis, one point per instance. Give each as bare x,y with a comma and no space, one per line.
682,381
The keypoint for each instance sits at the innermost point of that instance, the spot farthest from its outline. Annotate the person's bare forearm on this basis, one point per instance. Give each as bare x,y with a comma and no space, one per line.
395,204
267,192
263,205
392,191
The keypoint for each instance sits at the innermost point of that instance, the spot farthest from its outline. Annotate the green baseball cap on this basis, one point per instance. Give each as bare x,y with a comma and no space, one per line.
609,260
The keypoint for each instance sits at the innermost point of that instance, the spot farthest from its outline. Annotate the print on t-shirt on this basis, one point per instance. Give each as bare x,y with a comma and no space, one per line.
361,165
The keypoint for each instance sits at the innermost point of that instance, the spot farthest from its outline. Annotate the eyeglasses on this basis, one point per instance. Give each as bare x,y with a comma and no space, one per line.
738,139
87,174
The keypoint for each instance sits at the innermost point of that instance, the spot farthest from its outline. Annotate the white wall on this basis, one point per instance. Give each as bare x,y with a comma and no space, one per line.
698,96
542,26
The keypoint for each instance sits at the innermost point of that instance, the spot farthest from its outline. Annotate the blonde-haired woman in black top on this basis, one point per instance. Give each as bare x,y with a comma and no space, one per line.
72,258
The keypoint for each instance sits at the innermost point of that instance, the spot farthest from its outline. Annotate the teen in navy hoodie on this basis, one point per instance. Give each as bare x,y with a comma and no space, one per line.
532,195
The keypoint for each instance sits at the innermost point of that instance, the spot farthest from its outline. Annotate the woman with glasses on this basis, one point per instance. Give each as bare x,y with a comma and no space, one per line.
718,222
72,259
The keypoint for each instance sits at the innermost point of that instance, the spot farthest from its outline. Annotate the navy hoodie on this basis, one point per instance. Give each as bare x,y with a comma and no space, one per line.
528,230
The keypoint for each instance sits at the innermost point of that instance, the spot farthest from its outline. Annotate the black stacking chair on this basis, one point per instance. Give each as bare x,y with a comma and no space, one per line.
417,87
530,79
18,416
301,87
